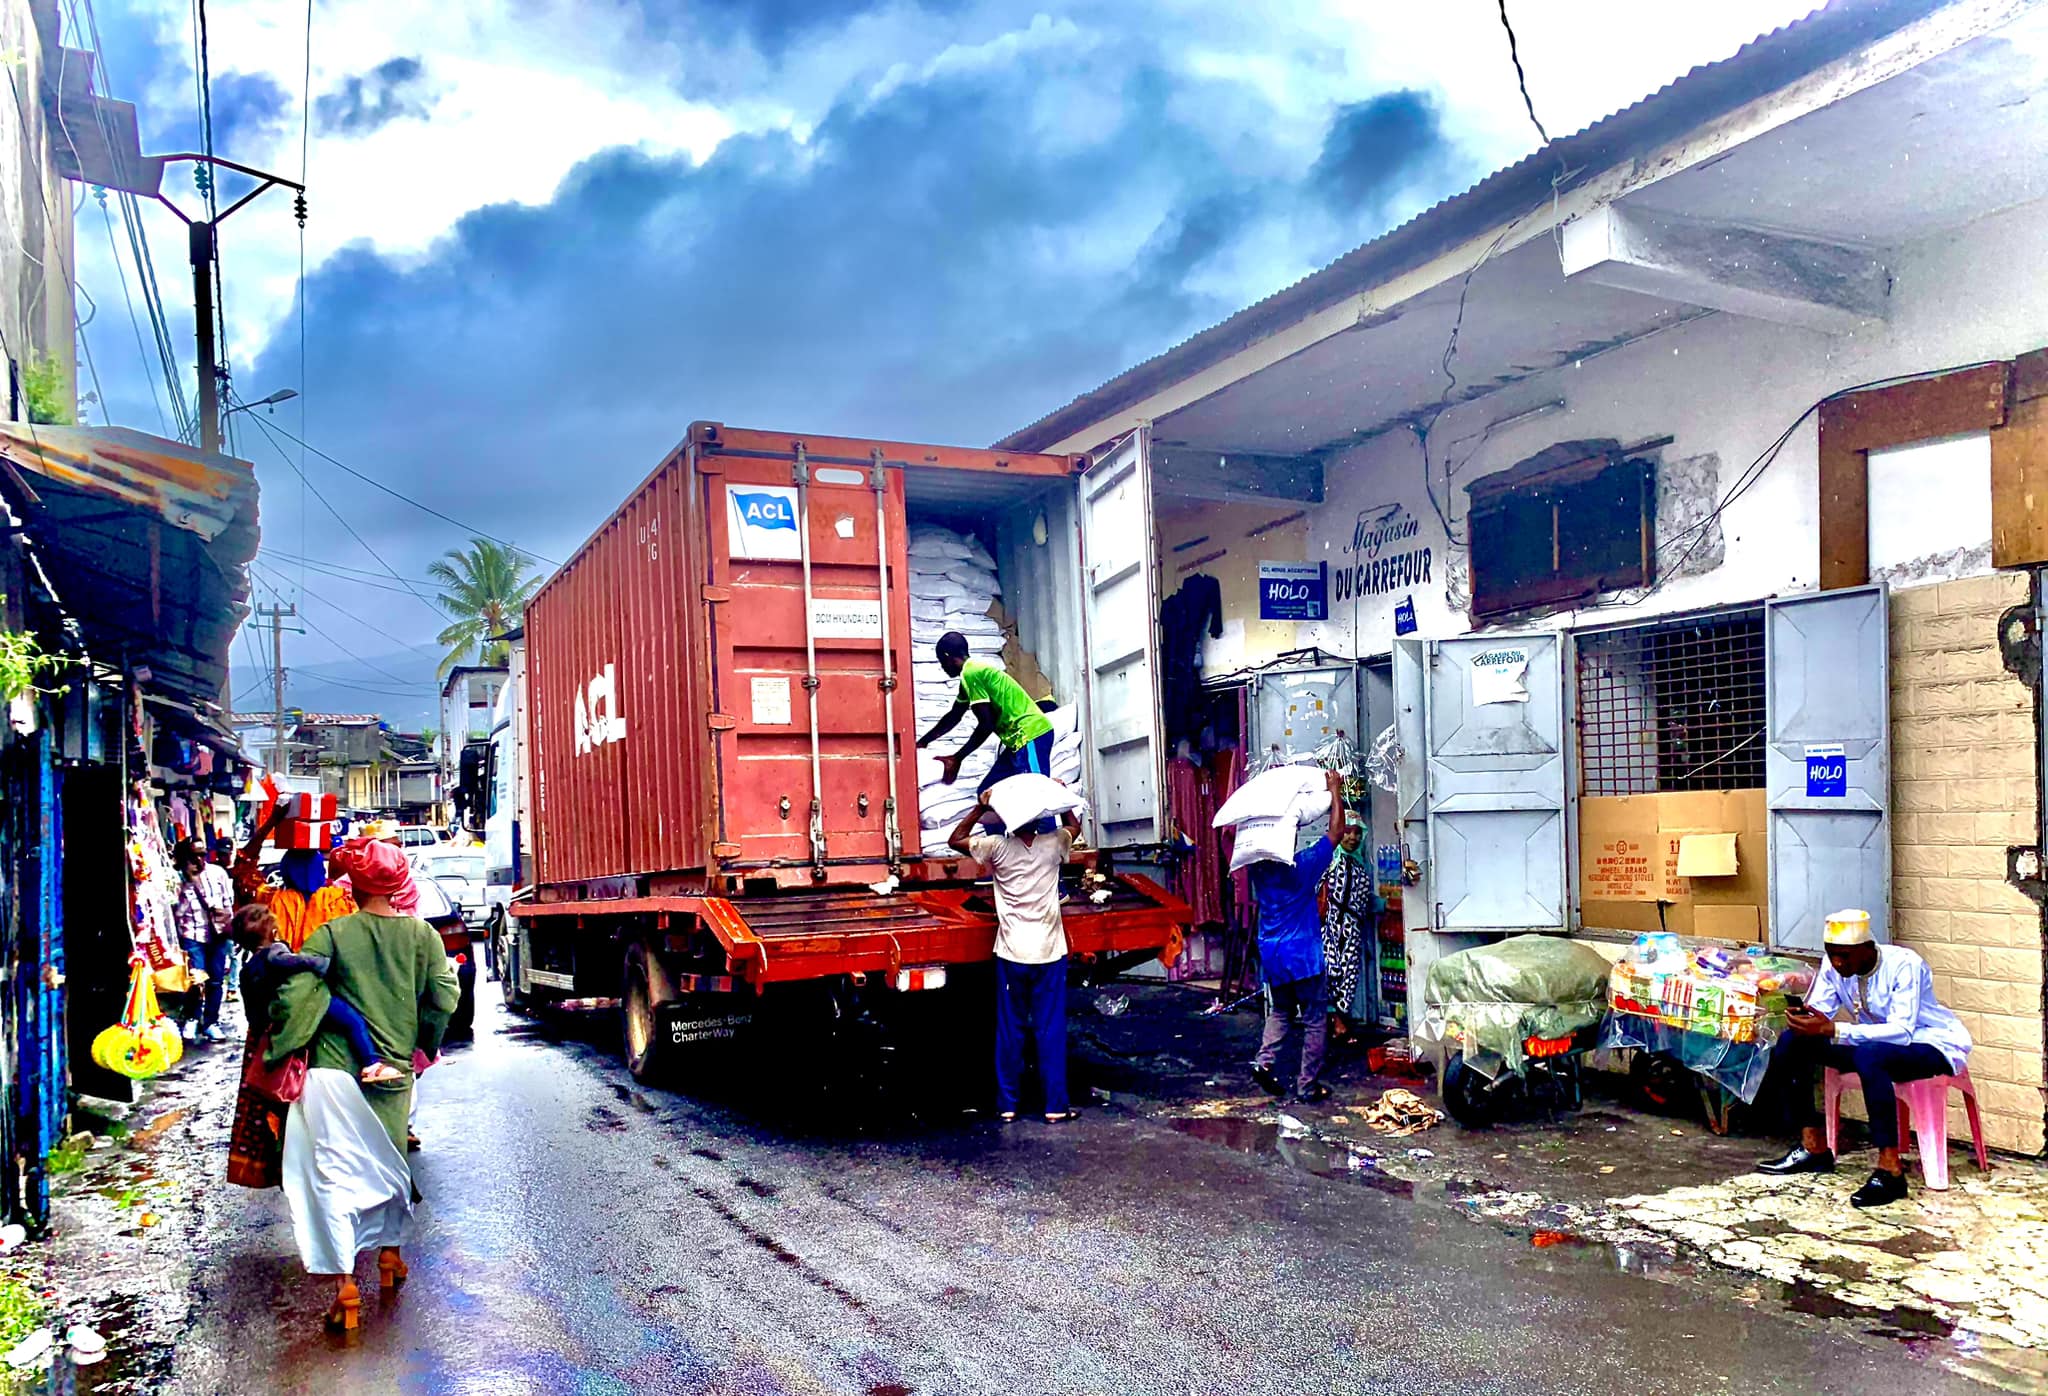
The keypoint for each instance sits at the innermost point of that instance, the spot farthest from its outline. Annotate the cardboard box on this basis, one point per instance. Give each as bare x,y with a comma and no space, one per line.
1617,892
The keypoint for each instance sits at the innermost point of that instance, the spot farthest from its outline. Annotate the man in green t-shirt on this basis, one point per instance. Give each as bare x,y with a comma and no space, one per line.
1001,706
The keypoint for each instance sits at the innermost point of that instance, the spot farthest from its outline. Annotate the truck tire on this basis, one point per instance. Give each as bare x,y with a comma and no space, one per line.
649,1054
506,936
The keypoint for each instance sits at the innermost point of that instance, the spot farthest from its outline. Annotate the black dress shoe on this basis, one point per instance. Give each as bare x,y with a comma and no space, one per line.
1882,1188
1800,1160
1315,1093
1268,1082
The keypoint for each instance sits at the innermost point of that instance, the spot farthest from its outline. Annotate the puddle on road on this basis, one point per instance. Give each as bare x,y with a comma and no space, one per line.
1561,1231
1321,1157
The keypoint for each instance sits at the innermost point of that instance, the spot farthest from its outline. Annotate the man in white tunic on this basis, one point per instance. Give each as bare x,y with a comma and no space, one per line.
1872,1011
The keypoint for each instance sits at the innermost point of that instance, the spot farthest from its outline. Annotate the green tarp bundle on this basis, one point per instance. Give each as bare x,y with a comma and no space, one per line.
1492,997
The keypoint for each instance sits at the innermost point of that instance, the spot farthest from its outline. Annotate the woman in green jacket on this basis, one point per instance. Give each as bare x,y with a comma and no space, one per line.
346,1175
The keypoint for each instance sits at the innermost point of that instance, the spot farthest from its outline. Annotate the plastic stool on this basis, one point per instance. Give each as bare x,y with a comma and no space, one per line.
1923,1105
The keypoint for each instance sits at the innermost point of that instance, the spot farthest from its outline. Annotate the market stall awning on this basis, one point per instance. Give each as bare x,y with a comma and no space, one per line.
146,541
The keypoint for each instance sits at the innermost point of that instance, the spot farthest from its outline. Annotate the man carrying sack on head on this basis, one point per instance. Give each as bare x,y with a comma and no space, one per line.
1891,1030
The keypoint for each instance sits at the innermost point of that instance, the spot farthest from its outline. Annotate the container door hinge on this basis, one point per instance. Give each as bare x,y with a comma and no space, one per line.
725,850
715,596
722,722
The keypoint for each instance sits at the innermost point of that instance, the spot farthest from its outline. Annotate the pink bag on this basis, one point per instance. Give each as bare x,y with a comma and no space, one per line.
283,1083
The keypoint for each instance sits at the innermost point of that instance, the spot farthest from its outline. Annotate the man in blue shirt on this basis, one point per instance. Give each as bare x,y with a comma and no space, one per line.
1894,1031
1291,956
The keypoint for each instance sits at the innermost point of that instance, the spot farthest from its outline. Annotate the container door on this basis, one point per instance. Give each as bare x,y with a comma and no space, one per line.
1827,713
1125,745
1493,715
762,520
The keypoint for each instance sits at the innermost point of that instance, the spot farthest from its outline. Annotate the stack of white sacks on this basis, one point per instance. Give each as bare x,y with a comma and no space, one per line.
953,587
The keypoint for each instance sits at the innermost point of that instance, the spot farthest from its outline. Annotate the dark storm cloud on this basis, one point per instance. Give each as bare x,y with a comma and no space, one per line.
923,268
247,109
1375,144
363,103
773,24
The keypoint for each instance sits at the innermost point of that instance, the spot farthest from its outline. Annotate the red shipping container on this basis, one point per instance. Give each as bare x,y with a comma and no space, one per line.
669,720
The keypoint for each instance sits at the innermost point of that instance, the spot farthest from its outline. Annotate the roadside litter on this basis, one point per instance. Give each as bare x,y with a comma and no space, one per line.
1398,1113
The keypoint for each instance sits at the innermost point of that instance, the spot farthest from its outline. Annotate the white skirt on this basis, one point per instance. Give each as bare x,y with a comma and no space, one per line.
348,1185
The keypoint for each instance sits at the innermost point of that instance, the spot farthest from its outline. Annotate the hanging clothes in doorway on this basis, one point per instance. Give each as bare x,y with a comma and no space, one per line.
1183,617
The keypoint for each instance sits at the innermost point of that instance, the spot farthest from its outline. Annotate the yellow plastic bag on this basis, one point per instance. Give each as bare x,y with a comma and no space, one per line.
144,1043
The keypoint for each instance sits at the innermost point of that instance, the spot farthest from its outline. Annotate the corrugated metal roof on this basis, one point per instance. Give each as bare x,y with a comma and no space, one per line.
146,542
1708,91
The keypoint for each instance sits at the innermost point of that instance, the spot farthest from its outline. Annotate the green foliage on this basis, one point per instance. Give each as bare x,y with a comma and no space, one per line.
22,1310
22,662
67,1156
47,390
484,588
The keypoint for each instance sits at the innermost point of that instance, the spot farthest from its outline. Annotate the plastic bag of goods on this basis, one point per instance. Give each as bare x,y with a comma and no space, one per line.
1025,799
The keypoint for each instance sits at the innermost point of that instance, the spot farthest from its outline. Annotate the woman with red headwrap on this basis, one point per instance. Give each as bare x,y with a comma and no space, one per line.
346,1175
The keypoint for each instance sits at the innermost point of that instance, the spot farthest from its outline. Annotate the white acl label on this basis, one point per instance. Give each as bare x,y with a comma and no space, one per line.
597,714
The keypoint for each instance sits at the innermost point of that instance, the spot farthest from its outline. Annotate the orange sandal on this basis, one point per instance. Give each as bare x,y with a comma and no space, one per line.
347,1314
391,1270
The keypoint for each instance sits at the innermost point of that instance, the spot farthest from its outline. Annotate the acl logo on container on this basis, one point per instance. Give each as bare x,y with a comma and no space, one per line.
597,714
760,522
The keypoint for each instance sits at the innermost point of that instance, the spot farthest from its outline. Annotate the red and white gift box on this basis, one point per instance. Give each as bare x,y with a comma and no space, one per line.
314,807
317,834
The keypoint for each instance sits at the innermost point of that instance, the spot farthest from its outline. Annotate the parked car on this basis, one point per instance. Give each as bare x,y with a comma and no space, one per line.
460,871
415,836
438,910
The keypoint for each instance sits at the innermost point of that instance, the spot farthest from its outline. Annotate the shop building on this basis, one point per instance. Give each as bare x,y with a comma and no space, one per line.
1676,482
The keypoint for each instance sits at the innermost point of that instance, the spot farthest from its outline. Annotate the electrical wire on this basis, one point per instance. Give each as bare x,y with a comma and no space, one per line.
346,525
1521,78
328,636
377,484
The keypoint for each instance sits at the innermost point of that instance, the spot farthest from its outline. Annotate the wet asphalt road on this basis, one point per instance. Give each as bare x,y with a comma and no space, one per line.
582,1235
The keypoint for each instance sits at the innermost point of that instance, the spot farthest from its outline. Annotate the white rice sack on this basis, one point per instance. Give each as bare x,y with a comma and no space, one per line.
972,623
978,555
1273,793
1025,799
1066,723
927,608
940,543
1263,839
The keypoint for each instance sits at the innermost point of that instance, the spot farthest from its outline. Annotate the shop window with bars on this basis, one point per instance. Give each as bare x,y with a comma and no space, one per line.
1674,705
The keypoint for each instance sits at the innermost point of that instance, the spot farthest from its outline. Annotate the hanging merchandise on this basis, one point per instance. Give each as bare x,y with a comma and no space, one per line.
1383,764
1184,617
144,1043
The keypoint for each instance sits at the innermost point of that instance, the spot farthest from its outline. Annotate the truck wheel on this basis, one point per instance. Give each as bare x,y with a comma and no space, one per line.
507,939
649,1054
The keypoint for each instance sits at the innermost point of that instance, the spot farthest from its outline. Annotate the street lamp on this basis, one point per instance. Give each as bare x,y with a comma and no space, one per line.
281,395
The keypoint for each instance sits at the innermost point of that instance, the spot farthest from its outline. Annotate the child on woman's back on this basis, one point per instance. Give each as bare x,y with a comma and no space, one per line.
271,963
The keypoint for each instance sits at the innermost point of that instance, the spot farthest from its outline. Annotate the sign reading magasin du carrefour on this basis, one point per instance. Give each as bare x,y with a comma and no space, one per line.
1294,591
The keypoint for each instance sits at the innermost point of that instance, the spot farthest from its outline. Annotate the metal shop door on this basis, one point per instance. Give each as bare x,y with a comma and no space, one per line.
1493,737
1827,769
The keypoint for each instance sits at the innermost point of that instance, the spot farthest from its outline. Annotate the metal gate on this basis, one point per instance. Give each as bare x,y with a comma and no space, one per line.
1494,722
1827,768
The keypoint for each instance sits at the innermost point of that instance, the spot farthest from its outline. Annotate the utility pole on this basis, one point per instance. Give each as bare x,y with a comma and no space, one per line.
276,615
205,251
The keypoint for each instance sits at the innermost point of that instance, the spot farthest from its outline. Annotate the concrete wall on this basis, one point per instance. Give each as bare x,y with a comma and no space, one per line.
1723,388
1228,542
36,266
1964,787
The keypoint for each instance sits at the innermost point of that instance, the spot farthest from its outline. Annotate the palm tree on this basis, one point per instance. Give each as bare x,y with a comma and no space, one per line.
485,587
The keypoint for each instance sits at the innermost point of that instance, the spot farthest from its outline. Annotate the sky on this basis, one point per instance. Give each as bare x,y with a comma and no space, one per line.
546,235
